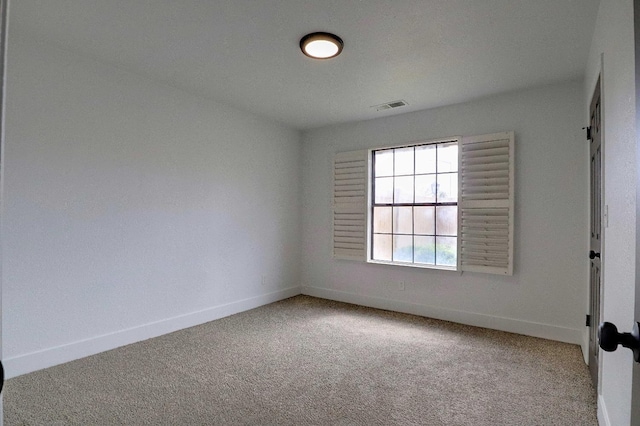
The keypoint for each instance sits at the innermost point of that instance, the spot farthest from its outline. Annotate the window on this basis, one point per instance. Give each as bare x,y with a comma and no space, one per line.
444,204
414,216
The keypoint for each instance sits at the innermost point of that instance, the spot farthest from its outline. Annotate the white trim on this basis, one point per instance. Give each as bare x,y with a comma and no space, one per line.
603,208
414,265
4,29
545,331
453,139
33,361
419,142
584,346
603,415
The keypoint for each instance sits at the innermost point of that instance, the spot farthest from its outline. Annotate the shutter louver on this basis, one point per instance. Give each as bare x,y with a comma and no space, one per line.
350,183
486,203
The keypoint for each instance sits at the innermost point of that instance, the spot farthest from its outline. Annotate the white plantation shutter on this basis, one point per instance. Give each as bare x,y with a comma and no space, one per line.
350,183
486,203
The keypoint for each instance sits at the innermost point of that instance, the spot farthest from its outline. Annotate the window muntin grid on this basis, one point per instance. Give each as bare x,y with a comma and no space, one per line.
414,208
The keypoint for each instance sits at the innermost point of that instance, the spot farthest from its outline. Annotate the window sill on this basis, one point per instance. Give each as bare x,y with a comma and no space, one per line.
415,265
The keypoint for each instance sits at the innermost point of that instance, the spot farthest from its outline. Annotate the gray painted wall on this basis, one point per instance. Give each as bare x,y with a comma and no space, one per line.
546,296
133,209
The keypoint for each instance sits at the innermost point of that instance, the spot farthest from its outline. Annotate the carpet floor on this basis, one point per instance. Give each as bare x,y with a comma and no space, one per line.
309,361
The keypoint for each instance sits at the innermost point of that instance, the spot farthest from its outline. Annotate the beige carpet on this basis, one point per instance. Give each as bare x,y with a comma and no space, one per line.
308,361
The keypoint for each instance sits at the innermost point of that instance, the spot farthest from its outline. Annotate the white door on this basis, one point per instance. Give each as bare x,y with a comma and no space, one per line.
610,338
635,384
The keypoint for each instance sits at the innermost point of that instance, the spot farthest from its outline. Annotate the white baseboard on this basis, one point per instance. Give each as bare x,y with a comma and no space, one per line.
26,363
603,416
49,357
545,331
585,345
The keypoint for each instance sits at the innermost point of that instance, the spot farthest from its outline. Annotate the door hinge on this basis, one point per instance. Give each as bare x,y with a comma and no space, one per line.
588,129
588,321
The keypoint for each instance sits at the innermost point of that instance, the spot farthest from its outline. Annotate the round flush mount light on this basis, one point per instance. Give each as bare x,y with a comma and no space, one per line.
321,45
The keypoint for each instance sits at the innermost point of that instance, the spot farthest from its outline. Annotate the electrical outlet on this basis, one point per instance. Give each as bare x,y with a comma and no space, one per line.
264,280
401,286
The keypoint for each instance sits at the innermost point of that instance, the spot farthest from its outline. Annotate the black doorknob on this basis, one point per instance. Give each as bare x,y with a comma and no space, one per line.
593,255
609,339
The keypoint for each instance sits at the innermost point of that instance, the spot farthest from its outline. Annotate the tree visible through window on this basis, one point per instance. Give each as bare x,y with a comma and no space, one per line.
415,204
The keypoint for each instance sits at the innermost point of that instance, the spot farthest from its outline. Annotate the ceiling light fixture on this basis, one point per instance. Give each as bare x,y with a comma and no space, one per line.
321,45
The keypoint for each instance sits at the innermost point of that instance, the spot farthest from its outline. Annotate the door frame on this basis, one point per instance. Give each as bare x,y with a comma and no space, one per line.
635,382
4,26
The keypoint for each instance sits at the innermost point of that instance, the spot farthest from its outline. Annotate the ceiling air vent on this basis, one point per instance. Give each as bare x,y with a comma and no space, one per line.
390,105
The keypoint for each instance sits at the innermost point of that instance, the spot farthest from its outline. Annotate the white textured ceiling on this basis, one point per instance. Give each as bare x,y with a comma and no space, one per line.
245,52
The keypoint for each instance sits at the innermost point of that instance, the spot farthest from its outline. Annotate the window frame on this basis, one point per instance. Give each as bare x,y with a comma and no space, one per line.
371,205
